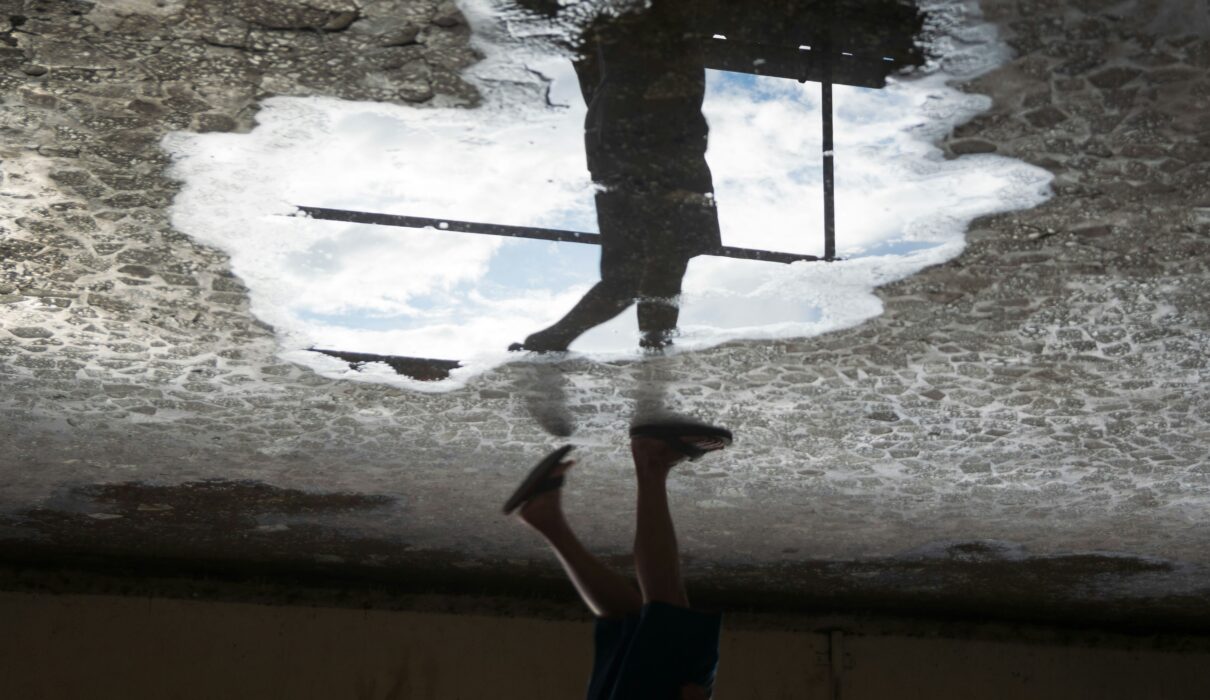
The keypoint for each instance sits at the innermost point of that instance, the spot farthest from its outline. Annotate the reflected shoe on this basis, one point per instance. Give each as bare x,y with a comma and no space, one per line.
677,435
655,342
538,480
540,343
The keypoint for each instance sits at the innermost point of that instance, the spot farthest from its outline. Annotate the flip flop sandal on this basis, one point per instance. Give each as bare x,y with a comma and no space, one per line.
539,479
674,432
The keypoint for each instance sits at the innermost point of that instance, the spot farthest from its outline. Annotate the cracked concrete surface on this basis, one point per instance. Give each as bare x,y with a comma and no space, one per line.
1022,433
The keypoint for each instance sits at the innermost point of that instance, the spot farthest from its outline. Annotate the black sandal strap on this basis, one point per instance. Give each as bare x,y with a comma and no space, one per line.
673,434
537,478
681,429
690,450
551,484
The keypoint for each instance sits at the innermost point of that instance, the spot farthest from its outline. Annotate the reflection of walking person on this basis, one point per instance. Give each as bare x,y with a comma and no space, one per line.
650,645
643,80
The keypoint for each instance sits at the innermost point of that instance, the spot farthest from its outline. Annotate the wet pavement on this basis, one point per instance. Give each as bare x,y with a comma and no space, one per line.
1029,413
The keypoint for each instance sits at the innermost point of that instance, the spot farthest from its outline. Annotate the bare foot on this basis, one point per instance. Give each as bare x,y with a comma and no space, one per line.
652,455
545,508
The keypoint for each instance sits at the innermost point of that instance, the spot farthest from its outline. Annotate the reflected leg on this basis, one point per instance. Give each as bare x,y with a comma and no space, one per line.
684,223
541,386
622,261
659,302
607,298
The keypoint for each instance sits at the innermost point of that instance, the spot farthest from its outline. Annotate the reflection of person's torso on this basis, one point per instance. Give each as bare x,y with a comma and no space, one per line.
643,81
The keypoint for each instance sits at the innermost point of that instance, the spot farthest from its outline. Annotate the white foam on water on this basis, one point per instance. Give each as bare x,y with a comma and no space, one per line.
519,159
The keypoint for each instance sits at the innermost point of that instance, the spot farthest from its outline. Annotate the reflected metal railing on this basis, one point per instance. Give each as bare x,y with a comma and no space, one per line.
544,234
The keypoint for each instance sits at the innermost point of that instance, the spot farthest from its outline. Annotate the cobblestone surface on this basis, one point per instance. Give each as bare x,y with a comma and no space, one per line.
1041,398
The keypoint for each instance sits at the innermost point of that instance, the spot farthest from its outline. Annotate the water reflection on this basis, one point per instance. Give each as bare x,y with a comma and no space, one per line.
618,143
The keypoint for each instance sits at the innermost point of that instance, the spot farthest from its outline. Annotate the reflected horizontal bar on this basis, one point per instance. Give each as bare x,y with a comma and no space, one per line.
544,234
365,217
796,64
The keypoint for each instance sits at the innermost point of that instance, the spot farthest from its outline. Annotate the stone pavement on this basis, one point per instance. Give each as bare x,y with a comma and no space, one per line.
1023,432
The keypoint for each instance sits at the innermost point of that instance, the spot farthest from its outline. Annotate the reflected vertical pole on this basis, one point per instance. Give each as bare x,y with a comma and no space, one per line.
829,185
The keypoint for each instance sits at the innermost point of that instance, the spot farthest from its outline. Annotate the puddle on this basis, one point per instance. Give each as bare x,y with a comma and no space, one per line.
665,191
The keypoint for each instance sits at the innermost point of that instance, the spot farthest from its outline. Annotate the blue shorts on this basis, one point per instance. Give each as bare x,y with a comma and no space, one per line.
649,655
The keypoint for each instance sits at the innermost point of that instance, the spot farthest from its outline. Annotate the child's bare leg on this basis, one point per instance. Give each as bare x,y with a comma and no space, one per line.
605,592
656,556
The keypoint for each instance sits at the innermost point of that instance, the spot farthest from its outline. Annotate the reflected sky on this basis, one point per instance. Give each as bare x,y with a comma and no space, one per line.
520,160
